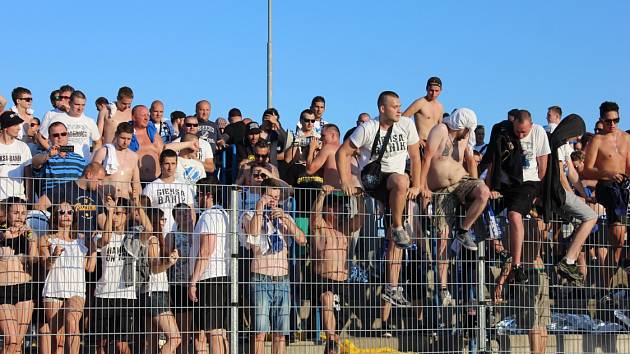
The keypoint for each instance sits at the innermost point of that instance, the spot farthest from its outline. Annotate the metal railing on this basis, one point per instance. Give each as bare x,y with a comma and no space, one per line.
392,300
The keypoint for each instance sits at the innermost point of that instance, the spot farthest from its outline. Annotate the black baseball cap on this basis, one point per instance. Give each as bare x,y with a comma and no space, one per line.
9,119
434,81
253,128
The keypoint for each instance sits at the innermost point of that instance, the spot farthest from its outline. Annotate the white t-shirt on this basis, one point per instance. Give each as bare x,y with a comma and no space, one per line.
13,159
403,134
165,196
48,117
534,145
111,284
82,132
189,170
213,221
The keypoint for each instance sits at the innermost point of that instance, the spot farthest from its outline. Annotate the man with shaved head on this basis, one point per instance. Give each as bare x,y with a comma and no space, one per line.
208,130
164,127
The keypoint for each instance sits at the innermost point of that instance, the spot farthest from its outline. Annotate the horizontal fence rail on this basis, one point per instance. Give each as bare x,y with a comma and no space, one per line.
222,268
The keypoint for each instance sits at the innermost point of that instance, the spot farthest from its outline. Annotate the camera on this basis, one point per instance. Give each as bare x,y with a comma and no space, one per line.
66,148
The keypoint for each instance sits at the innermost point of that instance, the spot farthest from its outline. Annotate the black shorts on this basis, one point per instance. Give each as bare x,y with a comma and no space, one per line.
116,319
339,288
381,193
12,294
179,299
214,298
521,199
614,198
212,310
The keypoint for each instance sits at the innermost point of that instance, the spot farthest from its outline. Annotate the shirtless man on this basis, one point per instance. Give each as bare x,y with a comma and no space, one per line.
323,163
148,145
427,111
608,161
331,231
443,173
110,116
126,177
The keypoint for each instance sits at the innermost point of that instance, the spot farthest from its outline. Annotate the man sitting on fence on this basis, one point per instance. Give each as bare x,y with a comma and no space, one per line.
266,230
331,230
444,174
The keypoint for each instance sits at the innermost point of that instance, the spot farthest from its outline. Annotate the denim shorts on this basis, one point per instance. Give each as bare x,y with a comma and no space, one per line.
155,303
271,303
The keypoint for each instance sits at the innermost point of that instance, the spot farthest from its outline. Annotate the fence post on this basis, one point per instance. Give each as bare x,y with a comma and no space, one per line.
234,268
481,297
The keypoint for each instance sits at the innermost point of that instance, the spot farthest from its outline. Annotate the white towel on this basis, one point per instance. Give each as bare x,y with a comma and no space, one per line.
111,160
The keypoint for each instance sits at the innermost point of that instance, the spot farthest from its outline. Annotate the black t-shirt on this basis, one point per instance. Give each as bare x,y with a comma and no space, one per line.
88,204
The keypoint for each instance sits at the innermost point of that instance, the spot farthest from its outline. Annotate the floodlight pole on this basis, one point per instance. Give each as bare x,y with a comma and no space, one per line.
269,58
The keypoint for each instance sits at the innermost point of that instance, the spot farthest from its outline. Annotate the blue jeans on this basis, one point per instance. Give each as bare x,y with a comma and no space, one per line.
272,303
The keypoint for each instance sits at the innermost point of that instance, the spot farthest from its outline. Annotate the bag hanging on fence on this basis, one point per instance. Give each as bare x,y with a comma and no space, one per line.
371,173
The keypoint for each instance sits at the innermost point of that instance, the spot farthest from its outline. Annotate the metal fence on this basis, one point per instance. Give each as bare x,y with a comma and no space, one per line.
88,290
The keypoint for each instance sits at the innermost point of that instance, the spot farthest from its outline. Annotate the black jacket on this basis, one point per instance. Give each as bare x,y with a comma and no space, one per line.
505,154
553,193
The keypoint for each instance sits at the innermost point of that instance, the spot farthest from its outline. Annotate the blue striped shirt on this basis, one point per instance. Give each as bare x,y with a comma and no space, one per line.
58,170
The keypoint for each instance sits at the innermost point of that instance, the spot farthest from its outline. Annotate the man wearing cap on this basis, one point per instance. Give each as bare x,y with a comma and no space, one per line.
15,158
427,111
443,172
246,146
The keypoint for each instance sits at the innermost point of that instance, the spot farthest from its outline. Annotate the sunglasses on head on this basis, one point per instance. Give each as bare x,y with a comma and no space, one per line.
58,135
611,121
192,125
64,212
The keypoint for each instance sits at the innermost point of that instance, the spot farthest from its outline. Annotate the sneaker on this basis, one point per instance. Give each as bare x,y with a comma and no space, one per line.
401,238
394,296
570,271
446,297
518,275
466,240
388,329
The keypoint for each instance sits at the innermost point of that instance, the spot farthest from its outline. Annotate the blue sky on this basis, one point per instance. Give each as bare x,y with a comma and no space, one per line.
491,55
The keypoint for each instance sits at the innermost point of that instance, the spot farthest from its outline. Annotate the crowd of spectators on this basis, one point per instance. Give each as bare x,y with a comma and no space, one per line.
120,225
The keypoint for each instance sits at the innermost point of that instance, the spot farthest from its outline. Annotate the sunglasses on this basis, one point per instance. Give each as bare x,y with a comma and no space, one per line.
309,121
59,135
261,156
192,125
260,175
59,98
611,121
27,99
34,124
64,212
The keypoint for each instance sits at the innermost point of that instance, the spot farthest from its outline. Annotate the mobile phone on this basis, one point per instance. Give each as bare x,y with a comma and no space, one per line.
66,148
